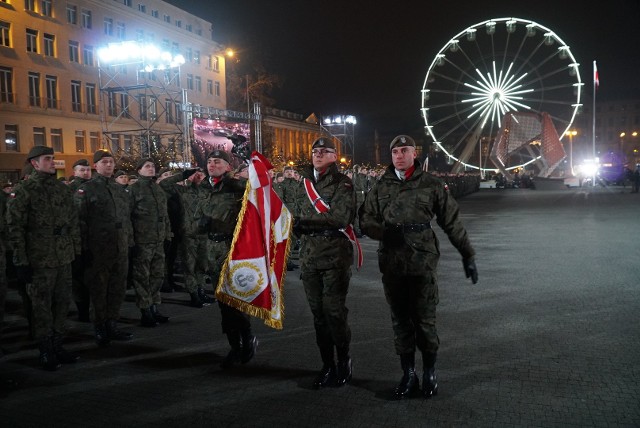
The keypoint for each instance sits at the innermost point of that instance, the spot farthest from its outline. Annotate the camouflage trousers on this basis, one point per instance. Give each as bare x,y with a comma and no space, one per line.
413,300
195,262
327,293
107,279
50,294
147,272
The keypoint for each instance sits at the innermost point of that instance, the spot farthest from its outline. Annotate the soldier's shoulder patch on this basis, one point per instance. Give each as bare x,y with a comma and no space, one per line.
12,195
80,192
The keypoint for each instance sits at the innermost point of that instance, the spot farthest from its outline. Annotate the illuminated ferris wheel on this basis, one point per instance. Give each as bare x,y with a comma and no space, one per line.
488,70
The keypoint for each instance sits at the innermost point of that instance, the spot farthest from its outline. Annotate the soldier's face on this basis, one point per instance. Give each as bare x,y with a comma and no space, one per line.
402,157
147,170
82,171
122,179
288,173
322,158
163,176
217,167
105,166
44,164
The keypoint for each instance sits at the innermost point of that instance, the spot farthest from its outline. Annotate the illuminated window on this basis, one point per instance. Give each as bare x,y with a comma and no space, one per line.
45,8
5,34
34,89
87,20
11,138
76,91
90,97
87,55
72,14
49,44
6,85
217,89
30,5
74,51
108,26
32,40
38,136
56,140
80,140
51,83
94,141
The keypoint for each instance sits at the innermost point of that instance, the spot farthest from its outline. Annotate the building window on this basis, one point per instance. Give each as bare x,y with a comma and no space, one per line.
108,26
175,47
74,51
189,28
90,97
115,142
6,85
5,34
32,40
120,30
39,136
124,105
179,113
190,81
199,32
196,57
127,142
188,55
30,5
154,13
209,87
94,141
87,21
142,101
167,19
168,105
72,14
127,2
34,89
113,104
80,139
56,140
142,8
51,82
217,89
87,55
45,8
215,63
139,35
11,138
76,91
49,44
178,23
198,84
153,108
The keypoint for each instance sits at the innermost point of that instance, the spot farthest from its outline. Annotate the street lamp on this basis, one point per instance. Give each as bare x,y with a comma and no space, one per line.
571,134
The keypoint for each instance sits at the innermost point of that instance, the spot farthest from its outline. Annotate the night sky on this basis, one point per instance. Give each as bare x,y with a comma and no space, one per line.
351,57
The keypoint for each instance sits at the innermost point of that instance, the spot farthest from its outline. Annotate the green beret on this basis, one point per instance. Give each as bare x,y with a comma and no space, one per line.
142,161
119,173
101,154
37,151
402,141
163,170
323,142
220,154
81,162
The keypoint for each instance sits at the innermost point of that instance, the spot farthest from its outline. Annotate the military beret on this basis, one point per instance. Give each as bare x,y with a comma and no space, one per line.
133,177
119,173
220,154
142,161
101,154
81,162
163,170
402,141
323,142
39,151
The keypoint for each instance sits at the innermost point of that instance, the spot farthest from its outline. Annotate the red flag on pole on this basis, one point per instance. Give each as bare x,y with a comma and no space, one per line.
253,273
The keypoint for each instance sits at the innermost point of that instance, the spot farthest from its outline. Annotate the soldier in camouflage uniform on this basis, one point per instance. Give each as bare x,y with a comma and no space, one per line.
287,189
44,235
326,256
361,186
193,230
397,212
151,228
104,209
80,291
224,195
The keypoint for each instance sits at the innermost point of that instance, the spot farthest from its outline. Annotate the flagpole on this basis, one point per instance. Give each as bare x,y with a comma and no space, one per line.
593,121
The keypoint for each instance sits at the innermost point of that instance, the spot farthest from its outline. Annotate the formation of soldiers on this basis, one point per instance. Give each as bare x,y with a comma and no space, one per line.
87,240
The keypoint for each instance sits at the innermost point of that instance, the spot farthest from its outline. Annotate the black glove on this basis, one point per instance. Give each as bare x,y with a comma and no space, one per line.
188,173
470,269
24,274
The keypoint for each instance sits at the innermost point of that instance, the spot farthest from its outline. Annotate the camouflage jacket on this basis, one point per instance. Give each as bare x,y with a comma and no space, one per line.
149,215
43,223
221,203
76,183
190,216
412,248
104,209
361,186
287,191
323,246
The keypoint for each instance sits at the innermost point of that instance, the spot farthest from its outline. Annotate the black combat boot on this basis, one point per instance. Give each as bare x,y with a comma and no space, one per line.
102,339
195,300
249,346
234,355
204,297
114,333
63,356
147,319
429,378
409,384
157,315
48,358
327,374
343,369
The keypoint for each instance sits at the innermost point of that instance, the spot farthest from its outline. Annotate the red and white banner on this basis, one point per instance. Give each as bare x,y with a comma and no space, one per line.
253,273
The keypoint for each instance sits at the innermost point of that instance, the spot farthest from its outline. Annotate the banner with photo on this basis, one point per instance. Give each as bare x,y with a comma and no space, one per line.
216,134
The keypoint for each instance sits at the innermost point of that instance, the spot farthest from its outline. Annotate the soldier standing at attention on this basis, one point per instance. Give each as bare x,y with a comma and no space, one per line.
287,189
397,212
44,235
79,290
224,200
326,204
151,228
104,209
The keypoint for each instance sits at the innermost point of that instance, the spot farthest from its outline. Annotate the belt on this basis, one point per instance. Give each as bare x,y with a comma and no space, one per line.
408,227
219,237
329,233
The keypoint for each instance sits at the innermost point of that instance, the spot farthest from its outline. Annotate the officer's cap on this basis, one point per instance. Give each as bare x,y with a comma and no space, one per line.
119,173
37,151
323,143
220,154
101,154
402,141
141,163
81,162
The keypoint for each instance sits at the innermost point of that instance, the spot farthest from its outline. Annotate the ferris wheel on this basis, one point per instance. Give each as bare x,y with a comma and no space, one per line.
492,68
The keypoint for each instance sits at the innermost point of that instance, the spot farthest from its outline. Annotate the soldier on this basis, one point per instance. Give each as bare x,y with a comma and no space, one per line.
397,212
326,204
104,209
80,291
121,178
361,187
224,195
170,247
287,189
151,228
44,235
